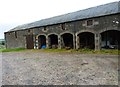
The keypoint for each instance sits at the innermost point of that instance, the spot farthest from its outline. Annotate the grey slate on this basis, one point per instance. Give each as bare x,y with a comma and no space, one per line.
101,10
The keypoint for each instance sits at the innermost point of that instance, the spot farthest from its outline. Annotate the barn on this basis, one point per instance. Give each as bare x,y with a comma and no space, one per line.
93,28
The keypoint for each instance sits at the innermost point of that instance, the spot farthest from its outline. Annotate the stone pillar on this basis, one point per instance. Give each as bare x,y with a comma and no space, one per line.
36,42
97,41
62,42
59,42
47,42
74,42
77,42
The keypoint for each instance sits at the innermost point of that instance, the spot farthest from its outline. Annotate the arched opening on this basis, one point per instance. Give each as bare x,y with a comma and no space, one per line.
110,39
53,41
67,41
86,40
41,41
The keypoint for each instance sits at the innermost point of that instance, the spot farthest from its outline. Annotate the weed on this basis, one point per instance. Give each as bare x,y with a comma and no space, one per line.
12,50
85,51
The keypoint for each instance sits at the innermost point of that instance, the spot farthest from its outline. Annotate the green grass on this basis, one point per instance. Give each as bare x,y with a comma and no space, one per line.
55,50
84,51
12,50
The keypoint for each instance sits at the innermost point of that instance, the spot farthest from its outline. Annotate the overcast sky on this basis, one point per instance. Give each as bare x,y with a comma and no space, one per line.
17,12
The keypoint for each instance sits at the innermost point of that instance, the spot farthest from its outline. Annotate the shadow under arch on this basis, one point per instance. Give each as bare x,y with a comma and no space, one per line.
110,39
86,40
53,41
67,40
41,41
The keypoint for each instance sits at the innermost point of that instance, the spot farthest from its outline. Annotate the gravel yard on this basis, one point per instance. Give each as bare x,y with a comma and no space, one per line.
43,68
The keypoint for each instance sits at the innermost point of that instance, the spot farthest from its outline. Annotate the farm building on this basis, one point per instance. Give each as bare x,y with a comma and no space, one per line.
93,28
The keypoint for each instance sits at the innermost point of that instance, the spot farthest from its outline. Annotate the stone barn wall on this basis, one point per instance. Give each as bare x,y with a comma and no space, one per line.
17,39
93,28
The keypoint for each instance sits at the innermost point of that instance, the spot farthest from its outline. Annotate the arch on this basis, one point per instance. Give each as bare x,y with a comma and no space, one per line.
53,40
110,39
52,34
65,33
40,35
67,40
103,30
86,40
82,31
41,41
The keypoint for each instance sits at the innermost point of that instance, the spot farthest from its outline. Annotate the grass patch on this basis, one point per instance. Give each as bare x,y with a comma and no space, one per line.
117,52
51,50
85,51
12,50
105,51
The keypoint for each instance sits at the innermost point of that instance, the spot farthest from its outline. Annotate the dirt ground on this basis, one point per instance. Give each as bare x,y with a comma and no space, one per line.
43,68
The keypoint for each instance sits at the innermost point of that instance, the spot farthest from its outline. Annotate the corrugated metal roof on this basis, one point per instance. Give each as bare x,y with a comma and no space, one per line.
101,10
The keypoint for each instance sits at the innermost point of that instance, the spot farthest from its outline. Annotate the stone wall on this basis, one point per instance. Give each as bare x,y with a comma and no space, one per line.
17,39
